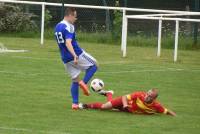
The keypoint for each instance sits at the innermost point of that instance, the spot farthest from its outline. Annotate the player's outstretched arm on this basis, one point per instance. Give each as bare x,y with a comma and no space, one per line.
170,112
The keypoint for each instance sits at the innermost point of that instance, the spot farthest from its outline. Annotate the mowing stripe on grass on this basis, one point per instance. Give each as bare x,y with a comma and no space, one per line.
102,72
138,71
50,59
33,131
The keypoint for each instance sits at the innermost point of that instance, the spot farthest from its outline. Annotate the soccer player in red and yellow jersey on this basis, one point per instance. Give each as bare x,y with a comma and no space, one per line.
138,102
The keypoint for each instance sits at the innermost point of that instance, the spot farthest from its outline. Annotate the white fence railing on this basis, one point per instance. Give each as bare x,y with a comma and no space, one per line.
125,18
160,18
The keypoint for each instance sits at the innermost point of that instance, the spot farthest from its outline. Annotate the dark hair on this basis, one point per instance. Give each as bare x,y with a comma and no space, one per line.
70,11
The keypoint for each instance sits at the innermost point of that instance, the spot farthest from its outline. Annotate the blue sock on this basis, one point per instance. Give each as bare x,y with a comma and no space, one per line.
74,92
89,73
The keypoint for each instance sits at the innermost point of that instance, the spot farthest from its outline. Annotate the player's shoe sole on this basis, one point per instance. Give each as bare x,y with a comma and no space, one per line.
84,88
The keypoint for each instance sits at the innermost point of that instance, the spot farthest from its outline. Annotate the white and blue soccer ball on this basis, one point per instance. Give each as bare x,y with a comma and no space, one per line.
97,85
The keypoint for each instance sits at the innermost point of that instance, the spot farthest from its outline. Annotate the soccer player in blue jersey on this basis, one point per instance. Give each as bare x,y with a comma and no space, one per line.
75,59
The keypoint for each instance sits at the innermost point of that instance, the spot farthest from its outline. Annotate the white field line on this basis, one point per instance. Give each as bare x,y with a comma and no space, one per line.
13,51
139,71
32,131
101,72
19,73
34,58
101,63
49,59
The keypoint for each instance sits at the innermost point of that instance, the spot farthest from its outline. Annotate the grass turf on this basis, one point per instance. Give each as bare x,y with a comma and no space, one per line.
35,92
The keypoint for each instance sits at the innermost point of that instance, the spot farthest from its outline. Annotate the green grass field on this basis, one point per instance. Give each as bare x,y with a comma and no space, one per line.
35,91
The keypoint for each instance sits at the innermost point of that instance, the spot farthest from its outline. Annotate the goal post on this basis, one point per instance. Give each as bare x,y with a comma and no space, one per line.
160,18
159,37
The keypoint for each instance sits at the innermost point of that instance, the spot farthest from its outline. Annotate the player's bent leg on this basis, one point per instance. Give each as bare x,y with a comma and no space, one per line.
117,103
107,105
89,73
96,105
74,71
82,85
88,63
84,88
109,95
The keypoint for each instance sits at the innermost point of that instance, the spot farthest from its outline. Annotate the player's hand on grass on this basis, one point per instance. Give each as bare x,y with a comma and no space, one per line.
125,107
170,112
125,103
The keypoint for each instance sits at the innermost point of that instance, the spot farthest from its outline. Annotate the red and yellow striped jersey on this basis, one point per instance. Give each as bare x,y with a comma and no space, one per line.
137,105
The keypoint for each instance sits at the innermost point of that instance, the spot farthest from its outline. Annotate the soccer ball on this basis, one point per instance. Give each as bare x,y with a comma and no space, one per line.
97,85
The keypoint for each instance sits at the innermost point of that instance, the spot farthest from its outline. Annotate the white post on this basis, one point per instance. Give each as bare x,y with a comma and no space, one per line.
159,38
123,27
42,24
125,36
176,41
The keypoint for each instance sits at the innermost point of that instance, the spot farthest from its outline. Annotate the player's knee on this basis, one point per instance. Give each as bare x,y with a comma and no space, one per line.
103,106
106,106
76,79
97,64
95,67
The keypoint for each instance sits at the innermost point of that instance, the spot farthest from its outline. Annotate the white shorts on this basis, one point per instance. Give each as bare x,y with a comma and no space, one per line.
85,61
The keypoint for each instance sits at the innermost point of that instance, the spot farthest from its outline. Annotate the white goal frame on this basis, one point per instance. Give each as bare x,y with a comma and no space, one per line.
160,18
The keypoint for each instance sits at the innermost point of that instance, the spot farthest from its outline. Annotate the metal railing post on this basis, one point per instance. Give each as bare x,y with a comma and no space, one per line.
159,38
42,24
176,41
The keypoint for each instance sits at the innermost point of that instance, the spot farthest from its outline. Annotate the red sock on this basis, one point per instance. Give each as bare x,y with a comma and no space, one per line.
109,96
96,105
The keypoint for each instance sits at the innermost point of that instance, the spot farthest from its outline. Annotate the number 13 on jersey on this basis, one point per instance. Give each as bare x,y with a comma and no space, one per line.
59,37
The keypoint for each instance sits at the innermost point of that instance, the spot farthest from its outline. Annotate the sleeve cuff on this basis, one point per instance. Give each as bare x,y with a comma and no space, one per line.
165,111
128,97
